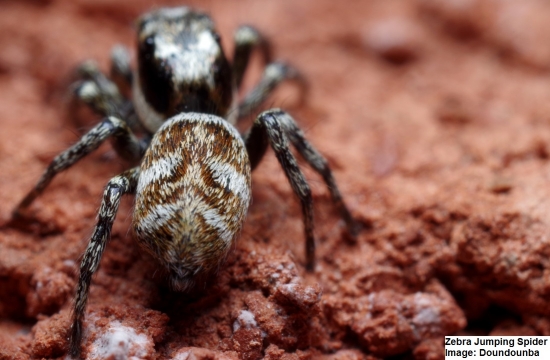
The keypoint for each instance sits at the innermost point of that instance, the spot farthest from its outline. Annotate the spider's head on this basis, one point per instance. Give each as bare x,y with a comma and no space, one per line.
181,64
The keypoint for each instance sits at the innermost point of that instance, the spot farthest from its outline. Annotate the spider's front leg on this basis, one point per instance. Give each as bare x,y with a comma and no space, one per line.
124,141
122,184
121,70
273,75
276,128
246,40
103,95
98,92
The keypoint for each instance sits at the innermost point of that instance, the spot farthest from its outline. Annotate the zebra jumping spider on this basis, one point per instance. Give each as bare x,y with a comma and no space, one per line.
191,178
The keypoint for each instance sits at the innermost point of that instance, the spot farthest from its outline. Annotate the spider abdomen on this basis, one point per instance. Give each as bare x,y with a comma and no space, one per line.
192,195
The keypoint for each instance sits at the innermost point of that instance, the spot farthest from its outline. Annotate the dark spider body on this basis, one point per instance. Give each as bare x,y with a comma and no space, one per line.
192,186
181,67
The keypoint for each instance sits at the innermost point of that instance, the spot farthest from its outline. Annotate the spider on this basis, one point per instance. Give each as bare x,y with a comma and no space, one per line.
191,181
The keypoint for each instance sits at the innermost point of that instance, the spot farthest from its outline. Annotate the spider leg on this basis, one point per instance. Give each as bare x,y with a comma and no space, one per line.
121,71
318,163
268,129
276,128
124,142
273,75
247,39
122,184
97,91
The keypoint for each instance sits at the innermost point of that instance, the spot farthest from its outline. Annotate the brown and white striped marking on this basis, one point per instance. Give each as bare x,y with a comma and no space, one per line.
192,195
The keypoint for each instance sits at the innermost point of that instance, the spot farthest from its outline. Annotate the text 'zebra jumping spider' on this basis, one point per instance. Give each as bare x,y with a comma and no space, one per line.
191,178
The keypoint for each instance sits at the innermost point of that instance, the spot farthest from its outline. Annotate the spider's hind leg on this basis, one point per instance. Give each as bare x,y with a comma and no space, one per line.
318,163
277,128
122,184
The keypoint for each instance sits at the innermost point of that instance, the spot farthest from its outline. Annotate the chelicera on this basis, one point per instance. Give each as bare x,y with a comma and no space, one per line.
192,180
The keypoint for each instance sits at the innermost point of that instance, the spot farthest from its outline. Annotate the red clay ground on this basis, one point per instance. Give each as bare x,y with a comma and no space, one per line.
435,117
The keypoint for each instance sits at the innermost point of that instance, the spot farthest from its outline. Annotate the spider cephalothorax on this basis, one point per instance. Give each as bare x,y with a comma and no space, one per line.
192,184
181,67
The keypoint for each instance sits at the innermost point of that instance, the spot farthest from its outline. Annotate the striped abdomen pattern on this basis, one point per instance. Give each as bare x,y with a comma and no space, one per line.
193,194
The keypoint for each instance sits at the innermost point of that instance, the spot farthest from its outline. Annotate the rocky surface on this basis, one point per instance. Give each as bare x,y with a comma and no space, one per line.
435,118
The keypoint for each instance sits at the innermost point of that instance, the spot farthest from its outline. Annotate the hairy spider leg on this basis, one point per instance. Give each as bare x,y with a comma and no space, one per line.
267,129
319,164
277,128
247,39
124,142
121,69
122,184
97,91
103,95
273,75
